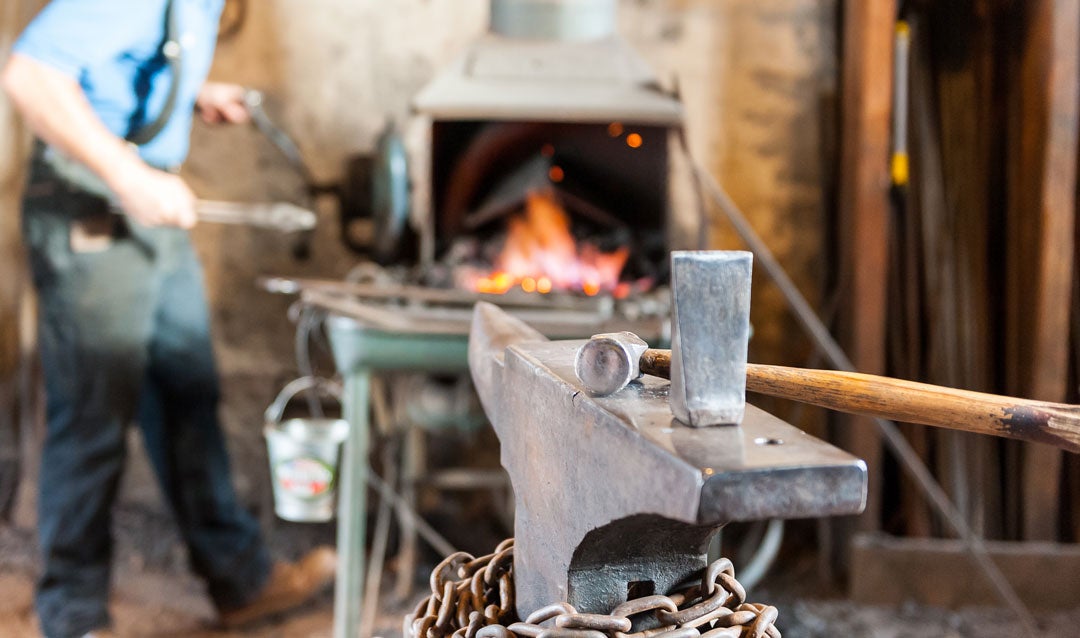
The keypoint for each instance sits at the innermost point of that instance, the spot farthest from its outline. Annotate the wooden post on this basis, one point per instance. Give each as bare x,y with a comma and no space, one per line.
964,319
14,142
864,212
1041,222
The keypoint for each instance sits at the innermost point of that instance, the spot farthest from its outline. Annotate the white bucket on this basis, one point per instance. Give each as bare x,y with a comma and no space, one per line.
304,456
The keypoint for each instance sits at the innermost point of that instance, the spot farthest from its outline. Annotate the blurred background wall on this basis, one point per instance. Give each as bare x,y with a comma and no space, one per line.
758,80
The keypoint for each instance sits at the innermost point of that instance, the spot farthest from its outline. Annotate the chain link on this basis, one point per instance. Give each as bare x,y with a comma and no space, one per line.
474,598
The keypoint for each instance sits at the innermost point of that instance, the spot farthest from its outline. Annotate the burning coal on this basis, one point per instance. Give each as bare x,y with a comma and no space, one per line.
540,255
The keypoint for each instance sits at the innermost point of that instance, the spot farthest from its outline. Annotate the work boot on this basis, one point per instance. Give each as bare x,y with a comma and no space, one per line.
289,585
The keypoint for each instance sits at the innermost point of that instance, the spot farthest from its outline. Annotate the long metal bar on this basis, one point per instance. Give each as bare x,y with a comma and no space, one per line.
406,511
280,216
600,304
359,352
381,536
355,477
836,357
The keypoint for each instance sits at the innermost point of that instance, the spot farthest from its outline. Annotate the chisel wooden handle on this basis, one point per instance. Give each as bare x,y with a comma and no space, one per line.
1055,424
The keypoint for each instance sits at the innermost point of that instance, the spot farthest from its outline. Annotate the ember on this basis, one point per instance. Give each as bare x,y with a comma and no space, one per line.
540,255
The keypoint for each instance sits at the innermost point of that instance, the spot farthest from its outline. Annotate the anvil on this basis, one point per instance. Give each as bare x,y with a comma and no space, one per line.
614,497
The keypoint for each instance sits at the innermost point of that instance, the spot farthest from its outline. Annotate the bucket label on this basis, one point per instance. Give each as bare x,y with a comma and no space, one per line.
304,477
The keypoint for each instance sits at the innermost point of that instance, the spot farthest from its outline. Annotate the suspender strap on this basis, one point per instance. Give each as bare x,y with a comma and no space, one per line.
172,51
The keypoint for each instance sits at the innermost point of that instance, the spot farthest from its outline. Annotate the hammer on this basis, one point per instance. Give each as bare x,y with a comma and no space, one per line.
607,363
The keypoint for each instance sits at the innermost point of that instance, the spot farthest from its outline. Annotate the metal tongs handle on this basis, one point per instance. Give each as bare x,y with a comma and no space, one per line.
280,216
253,100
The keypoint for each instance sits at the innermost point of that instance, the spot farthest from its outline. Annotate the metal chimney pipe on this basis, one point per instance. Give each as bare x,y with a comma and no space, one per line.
564,20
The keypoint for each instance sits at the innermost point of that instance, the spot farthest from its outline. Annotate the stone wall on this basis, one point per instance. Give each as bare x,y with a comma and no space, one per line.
758,78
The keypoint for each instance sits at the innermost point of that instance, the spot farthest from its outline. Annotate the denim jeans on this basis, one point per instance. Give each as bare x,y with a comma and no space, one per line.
124,335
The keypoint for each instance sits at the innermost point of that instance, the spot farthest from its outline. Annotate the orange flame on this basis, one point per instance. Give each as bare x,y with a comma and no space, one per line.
540,255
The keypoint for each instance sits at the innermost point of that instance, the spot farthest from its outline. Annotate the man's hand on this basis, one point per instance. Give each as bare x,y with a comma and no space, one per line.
219,102
152,197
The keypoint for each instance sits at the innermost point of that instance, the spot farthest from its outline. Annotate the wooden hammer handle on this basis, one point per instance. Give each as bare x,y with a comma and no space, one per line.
907,401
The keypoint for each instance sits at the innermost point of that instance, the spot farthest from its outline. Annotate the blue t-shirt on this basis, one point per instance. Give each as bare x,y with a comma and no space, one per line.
113,49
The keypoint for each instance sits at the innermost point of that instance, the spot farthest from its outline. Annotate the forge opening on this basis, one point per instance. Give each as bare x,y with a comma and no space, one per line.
541,207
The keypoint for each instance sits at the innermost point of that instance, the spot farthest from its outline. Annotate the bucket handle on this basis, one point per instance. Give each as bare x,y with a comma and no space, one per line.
328,387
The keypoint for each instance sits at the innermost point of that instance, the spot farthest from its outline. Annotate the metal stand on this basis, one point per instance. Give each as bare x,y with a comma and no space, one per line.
359,352
352,505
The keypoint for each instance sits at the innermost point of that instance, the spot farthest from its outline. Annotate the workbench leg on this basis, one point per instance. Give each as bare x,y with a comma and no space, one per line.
351,507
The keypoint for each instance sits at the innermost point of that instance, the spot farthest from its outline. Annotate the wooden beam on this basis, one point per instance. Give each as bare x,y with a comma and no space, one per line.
1041,222
940,572
864,210
12,261
15,364
962,351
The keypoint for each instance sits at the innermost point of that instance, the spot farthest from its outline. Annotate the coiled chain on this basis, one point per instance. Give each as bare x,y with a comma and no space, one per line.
474,598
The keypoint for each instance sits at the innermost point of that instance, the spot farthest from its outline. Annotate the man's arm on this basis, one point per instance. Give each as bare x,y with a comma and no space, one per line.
55,108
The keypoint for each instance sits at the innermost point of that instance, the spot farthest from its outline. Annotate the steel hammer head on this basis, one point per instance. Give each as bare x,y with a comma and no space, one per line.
710,333
607,362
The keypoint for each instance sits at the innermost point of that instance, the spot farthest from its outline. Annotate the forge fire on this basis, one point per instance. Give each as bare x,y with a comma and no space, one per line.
540,254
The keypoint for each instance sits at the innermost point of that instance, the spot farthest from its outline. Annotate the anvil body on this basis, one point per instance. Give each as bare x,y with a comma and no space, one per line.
612,493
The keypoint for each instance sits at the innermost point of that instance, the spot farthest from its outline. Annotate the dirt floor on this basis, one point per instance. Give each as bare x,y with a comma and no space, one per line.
155,597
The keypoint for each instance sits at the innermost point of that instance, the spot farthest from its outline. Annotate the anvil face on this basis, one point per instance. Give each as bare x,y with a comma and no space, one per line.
613,494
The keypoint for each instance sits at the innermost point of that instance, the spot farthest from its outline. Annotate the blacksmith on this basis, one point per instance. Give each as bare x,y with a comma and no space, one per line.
110,88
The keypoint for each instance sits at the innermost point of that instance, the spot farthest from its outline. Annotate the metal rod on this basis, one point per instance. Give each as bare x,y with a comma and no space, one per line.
280,216
901,73
355,475
379,539
437,541
221,212
352,506
253,99
600,304
763,558
836,357
307,321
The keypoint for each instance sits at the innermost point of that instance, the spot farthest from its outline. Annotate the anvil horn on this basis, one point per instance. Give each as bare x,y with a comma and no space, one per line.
491,332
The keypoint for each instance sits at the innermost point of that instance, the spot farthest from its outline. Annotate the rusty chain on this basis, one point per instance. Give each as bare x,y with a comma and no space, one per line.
474,598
